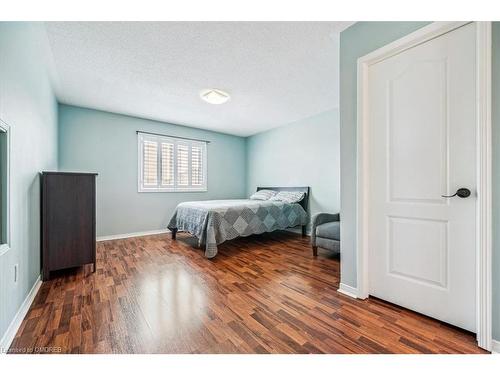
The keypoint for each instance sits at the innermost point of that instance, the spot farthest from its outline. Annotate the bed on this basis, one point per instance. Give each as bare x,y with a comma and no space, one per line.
216,221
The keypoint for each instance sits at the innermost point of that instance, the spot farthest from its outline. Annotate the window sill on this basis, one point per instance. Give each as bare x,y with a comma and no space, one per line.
204,190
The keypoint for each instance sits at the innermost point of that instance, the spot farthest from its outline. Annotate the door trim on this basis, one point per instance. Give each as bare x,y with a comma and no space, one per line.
483,131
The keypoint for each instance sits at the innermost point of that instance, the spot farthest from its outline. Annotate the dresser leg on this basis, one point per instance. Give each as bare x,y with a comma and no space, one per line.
95,267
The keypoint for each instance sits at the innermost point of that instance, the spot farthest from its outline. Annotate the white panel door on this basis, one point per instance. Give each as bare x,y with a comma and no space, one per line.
423,145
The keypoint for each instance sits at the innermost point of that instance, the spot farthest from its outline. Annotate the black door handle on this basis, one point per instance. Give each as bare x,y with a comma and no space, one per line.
461,193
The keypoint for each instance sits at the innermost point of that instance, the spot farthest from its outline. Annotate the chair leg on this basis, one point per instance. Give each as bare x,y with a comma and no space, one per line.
315,250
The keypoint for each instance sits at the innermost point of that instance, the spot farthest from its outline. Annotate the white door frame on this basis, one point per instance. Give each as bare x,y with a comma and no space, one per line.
483,131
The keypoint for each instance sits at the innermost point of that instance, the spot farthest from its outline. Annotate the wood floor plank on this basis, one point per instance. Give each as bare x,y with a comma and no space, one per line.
261,294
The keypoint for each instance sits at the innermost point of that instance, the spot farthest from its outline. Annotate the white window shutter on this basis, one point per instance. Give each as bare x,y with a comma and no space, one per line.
167,164
197,165
150,163
182,164
171,164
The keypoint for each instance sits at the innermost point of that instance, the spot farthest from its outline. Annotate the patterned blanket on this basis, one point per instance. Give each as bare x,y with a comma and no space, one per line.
216,221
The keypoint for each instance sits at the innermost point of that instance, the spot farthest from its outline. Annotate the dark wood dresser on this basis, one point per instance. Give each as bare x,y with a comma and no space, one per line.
68,221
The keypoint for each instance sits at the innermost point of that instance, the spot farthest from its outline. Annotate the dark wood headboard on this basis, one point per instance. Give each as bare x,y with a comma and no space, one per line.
303,189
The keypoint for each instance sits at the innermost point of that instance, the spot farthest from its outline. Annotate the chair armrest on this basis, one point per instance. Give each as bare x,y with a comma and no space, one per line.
319,219
322,218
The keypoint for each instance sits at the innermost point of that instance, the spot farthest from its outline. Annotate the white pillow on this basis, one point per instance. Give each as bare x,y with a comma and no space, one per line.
288,196
263,195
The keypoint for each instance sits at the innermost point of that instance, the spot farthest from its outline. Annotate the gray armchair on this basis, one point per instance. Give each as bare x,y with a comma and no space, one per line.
325,232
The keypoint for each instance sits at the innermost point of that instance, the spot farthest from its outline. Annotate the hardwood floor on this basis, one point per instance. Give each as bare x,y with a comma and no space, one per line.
262,294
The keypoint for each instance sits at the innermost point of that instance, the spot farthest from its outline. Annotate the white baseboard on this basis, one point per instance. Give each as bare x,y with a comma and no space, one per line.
348,290
14,325
495,347
130,235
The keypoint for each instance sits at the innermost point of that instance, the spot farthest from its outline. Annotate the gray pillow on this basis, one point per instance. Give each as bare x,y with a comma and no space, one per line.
263,195
288,196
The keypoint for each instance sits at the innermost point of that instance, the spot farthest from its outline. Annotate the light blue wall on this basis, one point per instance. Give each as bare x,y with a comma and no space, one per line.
28,106
106,143
303,153
236,165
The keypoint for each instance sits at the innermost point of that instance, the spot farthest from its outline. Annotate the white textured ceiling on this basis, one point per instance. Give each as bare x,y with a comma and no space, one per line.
275,72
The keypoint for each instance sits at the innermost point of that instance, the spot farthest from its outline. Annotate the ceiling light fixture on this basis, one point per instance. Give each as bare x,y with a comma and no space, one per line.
214,96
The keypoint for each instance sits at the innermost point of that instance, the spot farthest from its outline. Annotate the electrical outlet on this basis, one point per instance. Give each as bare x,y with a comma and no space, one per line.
16,272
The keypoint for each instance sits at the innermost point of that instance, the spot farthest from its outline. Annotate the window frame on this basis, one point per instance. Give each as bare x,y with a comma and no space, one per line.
141,137
5,246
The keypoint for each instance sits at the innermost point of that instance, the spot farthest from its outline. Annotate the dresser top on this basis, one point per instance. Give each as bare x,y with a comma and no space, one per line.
70,173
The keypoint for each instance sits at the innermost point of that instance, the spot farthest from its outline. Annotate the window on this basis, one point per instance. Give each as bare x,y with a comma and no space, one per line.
171,164
4,188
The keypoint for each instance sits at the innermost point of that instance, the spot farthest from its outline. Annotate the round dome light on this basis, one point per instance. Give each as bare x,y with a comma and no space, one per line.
214,96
